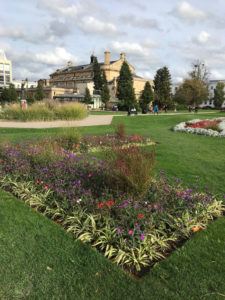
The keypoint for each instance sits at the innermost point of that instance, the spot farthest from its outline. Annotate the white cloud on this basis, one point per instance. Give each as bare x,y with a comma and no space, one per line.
60,7
185,11
56,57
130,48
202,38
93,25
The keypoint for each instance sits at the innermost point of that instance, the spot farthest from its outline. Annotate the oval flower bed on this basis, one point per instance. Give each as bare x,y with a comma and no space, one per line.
116,206
210,127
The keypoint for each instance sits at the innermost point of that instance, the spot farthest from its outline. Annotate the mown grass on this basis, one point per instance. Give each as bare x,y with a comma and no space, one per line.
40,261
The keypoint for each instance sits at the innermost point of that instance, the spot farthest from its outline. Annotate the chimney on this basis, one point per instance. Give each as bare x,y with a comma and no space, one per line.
122,55
107,58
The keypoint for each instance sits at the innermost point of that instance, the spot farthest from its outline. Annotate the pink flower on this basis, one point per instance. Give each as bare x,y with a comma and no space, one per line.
130,232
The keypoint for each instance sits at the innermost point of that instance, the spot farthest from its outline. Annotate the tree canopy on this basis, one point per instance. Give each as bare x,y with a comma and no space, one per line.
9,94
162,87
219,95
191,92
125,90
97,76
146,96
105,94
39,94
87,96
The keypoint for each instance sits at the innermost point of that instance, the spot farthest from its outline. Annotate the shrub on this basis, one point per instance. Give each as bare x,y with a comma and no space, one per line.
120,131
46,110
70,111
132,168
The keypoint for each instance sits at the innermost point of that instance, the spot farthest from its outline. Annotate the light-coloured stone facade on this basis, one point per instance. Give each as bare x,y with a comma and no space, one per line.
80,77
5,70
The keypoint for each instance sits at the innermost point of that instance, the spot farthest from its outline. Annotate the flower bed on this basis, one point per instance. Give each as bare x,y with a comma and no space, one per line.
209,127
117,206
104,142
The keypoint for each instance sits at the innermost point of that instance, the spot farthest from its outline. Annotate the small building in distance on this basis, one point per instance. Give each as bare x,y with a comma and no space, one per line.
5,70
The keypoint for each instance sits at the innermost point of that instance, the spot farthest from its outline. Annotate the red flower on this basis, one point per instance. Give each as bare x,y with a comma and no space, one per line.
140,216
46,187
130,232
109,203
100,204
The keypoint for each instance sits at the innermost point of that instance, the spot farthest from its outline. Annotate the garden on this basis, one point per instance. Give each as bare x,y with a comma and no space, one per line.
106,188
113,201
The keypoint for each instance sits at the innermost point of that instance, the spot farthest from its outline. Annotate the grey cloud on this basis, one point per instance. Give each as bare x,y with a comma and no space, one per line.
59,28
134,21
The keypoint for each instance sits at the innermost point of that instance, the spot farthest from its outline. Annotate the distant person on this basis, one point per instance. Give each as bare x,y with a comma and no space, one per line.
156,109
165,108
189,108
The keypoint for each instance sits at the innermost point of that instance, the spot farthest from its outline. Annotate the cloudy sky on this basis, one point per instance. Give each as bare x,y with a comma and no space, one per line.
40,36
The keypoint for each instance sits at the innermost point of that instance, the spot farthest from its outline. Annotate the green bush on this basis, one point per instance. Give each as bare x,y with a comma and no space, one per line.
70,111
45,111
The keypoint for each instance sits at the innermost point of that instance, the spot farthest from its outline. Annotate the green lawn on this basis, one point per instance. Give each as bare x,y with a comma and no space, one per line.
39,260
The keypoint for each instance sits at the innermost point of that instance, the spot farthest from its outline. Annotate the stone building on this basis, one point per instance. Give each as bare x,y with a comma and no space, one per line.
80,77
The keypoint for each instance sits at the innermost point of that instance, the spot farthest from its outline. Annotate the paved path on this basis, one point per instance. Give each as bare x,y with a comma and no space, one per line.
91,120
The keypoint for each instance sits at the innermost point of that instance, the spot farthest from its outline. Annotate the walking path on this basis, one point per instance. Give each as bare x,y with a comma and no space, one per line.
91,120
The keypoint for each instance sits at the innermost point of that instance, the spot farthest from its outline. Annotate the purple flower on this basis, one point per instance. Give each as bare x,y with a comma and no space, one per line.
142,237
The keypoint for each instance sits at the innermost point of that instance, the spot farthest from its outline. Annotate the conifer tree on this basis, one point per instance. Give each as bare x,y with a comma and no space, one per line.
162,87
39,94
219,95
105,95
87,96
146,97
97,76
125,90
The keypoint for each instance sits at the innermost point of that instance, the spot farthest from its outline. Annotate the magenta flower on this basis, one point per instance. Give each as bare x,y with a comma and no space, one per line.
142,237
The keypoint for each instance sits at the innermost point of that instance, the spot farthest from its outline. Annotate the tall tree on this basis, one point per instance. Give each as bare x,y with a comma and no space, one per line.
125,90
219,95
97,76
146,96
39,94
87,96
105,95
162,87
191,92
199,71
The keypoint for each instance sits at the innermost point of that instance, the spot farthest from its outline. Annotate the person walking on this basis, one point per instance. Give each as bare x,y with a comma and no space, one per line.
156,109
